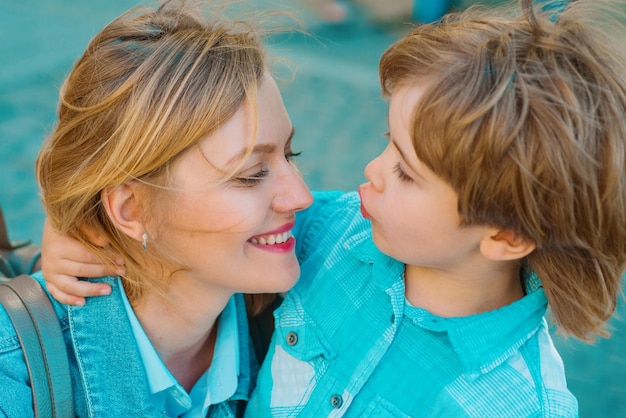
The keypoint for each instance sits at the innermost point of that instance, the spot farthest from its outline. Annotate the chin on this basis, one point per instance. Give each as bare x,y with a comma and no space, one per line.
282,284
381,244
289,283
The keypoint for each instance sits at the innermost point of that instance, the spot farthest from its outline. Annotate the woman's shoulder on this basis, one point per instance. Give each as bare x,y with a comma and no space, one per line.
29,290
8,336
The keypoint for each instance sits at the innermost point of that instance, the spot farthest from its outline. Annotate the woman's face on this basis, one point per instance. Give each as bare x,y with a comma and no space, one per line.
235,235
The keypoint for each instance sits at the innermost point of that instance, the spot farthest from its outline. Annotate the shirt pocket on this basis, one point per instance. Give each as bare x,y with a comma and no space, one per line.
300,357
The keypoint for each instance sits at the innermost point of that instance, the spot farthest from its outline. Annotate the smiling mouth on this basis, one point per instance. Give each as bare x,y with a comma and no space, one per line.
271,239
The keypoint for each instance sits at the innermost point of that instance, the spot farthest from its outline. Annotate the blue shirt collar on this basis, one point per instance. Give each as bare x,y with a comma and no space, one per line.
486,340
216,385
481,341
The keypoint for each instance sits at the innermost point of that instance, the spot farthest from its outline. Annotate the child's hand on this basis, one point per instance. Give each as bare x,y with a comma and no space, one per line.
64,260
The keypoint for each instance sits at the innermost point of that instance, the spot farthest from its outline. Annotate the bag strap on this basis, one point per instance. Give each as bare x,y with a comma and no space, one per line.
16,257
41,338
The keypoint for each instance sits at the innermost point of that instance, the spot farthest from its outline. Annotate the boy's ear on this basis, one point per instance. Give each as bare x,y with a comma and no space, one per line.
122,205
504,244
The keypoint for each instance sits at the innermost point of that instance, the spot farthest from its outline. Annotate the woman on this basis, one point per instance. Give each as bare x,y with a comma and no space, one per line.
164,152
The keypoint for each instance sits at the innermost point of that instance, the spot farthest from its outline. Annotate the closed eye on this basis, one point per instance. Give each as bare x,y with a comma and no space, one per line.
253,179
401,174
289,155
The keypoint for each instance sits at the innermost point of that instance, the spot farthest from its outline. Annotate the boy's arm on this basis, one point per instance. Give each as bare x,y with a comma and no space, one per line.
63,261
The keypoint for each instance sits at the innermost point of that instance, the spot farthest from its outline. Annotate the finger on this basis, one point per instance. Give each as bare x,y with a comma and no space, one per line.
81,269
64,297
57,246
98,239
71,286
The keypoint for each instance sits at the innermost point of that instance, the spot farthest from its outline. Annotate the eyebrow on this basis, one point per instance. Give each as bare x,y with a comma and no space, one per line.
395,144
402,156
260,149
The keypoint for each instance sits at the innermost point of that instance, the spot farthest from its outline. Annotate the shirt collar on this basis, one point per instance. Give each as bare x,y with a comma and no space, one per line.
216,385
481,341
387,272
220,382
486,340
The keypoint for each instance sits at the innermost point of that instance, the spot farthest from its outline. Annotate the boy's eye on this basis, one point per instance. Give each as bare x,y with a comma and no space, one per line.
253,179
401,174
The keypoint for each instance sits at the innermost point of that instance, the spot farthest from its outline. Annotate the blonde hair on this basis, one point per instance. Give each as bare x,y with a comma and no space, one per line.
525,117
149,86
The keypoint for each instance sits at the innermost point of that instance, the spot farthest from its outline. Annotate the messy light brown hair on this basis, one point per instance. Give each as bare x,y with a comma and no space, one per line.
149,86
525,118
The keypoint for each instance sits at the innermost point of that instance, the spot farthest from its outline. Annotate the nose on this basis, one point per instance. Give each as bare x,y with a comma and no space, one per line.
292,194
372,173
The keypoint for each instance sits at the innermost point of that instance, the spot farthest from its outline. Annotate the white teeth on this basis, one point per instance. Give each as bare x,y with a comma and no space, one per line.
272,239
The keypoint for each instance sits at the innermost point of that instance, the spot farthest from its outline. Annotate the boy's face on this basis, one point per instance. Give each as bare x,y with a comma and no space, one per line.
413,212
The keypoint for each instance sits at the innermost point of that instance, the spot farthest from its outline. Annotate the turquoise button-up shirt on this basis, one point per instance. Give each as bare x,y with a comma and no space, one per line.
348,344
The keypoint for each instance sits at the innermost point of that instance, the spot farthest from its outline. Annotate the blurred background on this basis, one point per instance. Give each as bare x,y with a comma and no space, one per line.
330,86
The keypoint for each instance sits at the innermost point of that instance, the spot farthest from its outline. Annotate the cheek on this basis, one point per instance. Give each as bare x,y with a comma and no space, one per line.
209,213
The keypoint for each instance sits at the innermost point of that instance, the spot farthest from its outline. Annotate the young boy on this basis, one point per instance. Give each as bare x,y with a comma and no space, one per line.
502,190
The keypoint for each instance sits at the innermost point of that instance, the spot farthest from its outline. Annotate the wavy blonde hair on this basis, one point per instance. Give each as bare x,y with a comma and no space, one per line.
525,117
149,86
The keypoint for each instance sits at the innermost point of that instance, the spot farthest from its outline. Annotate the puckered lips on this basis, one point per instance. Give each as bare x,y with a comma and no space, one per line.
364,212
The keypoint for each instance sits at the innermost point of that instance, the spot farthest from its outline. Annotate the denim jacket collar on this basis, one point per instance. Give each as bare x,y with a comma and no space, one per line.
106,356
100,331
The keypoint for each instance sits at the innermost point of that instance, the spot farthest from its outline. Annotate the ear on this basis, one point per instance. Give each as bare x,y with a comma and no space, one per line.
122,205
504,244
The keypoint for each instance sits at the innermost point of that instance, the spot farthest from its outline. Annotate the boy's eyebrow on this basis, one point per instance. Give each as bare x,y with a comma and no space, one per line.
404,159
259,149
395,144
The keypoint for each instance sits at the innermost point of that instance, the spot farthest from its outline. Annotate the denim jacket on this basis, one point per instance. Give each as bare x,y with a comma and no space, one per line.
348,344
107,372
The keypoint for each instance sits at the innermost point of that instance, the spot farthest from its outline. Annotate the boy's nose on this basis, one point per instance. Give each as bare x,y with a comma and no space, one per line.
372,174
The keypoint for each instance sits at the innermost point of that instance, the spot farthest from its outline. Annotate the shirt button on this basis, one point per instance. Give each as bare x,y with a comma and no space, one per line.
393,318
336,401
292,338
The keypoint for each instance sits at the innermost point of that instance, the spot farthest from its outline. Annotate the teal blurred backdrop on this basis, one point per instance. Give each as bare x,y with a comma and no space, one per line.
330,87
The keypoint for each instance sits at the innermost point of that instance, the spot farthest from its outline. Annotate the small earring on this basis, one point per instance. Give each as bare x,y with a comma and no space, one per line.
144,238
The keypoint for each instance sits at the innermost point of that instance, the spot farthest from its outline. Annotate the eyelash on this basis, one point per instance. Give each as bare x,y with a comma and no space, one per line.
253,179
289,156
401,174
259,176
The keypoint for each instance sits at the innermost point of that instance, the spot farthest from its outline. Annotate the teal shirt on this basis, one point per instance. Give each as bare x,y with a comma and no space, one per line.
348,344
216,385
